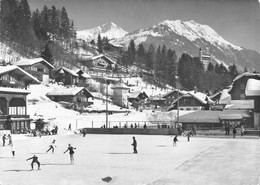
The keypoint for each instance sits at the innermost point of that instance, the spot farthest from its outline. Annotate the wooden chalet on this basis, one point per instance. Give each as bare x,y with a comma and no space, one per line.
73,76
192,101
77,95
38,67
13,99
97,64
172,96
137,96
246,87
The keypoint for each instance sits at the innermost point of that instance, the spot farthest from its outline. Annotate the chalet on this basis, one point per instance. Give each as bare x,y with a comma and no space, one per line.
38,67
156,100
99,63
192,101
245,87
73,76
172,96
15,77
137,96
13,99
120,94
77,95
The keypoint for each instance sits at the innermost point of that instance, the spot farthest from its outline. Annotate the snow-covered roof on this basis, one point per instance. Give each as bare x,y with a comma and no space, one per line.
253,87
29,62
67,91
14,90
135,94
201,97
170,92
240,104
27,76
69,71
120,86
225,97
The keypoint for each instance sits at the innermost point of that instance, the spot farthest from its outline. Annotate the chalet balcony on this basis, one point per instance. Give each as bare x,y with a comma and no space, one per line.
7,83
14,116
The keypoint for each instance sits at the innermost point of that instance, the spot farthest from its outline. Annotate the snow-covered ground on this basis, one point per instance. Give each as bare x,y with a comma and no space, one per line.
198,162
40,106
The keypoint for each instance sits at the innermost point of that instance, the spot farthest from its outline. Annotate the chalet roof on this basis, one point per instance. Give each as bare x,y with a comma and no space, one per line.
206,116
135,94
240,104
91,58
68,91
246,74
175,90
73,73
29,62
156,98
14,90
18,70
120,86
253,87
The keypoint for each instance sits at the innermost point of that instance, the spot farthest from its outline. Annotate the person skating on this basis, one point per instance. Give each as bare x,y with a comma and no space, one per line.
188,136
71,152
10,139
4,138
234,132
52,145
242,131
134,144
13,150
34,160
175,139
69,127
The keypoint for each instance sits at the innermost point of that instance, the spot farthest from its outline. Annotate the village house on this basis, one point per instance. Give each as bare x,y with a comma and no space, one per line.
192,101
73,76
172,96
13,98
78,96
120,94
38,67
245,89
99,64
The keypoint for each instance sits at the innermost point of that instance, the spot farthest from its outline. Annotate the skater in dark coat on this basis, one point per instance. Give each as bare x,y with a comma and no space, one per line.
34,160
175,140
188,136
71,152
234,132
134,144
52,145
4,138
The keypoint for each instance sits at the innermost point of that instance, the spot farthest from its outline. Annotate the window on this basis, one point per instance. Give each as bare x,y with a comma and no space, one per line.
17,110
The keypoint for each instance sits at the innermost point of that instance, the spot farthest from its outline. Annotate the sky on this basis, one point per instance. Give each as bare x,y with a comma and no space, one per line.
237,21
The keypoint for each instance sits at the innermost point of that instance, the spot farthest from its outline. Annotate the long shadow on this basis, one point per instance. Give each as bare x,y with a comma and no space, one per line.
163,146
54,164
119,153
6,157
38,153
17,170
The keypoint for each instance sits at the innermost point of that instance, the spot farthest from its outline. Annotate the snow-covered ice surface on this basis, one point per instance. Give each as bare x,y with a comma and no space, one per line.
200,161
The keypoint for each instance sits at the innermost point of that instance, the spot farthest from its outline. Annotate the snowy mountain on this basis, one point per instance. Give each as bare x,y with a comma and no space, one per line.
109,30
188,37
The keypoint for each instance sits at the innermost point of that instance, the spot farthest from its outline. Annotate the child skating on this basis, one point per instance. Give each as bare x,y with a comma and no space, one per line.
71,152
52,145
13,150
34,160
175,140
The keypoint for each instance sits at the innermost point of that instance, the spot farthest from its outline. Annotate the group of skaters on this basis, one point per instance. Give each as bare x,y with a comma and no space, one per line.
10,142
234,130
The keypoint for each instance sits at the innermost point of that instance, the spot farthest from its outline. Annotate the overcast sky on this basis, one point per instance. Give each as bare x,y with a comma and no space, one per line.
235,20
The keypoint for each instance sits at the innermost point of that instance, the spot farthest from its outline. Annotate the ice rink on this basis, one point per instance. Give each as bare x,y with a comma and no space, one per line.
202,161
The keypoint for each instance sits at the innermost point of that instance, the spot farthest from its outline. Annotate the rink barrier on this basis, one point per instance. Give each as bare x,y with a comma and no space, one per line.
130,131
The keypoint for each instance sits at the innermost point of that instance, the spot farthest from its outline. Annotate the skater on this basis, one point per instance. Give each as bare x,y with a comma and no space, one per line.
69,127
134,144
13,150
71,152
10,139
175,140
188,136
234,132
52,145
242,131
4,138
34,160
84,132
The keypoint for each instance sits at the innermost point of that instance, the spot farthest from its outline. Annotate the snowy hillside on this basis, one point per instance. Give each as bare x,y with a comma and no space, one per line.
109,30
8,55
189,37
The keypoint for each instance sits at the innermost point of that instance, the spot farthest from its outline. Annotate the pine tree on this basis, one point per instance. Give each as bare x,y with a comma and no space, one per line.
54,22
171,68
64,24
131,52
150,58
47,53
100,44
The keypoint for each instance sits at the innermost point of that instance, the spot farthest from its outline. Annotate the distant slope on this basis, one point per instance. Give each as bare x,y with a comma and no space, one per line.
189,36
109,30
